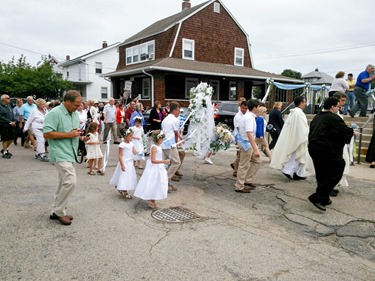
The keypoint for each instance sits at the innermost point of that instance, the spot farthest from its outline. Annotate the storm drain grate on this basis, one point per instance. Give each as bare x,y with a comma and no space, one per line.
174,214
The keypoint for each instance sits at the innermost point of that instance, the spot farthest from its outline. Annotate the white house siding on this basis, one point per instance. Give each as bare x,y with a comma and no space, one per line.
83,74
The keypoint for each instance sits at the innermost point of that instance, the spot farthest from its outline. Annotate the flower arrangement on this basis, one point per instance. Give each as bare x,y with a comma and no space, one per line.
223,138
198,99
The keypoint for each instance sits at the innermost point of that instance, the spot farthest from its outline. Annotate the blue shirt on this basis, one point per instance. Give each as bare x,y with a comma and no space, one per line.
361,76
25,110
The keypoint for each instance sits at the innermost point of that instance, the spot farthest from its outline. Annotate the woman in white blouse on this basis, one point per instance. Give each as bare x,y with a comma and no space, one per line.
338,84
36,121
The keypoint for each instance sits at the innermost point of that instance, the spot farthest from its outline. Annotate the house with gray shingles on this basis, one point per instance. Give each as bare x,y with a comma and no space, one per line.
317,77
204,43
85,72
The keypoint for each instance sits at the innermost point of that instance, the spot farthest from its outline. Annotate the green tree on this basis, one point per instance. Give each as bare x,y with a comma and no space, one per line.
20,79
292,73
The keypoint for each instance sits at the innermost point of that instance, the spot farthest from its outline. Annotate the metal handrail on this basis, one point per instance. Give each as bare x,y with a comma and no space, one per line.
360,136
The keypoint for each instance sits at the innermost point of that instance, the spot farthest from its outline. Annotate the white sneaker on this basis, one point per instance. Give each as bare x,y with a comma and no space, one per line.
208,161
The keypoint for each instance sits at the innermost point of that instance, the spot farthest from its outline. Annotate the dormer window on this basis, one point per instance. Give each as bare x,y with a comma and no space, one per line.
217,7
238,56
140,53
188,49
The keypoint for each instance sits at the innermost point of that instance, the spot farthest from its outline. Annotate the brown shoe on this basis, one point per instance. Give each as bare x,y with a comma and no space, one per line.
64,220
55,217
242,190
235,174
178,174
172,188
174,178
249,186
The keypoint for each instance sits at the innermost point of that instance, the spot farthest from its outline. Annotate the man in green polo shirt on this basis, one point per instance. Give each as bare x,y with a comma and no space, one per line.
61,128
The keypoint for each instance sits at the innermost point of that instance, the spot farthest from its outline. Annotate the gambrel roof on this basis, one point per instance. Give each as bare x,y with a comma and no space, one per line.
167,23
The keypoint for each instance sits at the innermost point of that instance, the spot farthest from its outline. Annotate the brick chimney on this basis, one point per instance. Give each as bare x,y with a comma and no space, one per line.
186,5
104,45
67,57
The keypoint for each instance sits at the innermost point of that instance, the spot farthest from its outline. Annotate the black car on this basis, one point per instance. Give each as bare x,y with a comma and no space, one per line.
225,112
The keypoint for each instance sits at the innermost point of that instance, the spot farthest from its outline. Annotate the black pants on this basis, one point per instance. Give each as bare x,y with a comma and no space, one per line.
274,137
329,167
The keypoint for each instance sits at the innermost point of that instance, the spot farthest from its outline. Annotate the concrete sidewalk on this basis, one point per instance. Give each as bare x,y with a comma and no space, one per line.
273,233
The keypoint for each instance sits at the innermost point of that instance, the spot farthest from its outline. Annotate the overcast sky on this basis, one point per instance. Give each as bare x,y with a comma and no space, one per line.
330,35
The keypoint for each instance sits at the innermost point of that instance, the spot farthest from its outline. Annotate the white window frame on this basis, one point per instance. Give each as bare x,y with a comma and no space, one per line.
190,83
217,7
231,96
215,84
240,56
146,88
188,43
98,68
104,92
140,53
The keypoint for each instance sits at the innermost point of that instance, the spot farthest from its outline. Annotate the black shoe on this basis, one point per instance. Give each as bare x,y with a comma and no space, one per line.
7,156
288,176
334,193
297,177
351,113
232,166
328,203
116,142
320,206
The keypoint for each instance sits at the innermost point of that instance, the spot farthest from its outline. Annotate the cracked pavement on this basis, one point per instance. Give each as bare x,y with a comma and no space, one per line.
273,233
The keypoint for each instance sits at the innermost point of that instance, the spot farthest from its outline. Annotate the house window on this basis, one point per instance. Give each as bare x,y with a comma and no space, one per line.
217,7
238,56
232,90
188,49
215,84
104,92
140,53
190,83
146,88
98,68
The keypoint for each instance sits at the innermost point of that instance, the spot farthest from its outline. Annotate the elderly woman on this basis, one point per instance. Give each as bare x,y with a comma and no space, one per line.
338,84
36,120
138,112
82,114
94,111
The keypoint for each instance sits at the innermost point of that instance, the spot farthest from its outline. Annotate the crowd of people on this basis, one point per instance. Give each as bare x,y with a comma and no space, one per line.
54,129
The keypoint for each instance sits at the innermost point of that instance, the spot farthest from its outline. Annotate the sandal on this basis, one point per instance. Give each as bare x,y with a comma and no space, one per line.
125,194
100,172
91,173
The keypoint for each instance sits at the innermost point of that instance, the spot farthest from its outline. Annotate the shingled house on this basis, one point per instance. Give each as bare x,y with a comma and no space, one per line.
204,43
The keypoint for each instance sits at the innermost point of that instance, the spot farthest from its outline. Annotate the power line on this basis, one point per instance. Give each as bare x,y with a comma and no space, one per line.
322,51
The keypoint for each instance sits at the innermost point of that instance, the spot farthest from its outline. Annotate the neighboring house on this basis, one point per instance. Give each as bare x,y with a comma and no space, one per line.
204,43
85,72
318,78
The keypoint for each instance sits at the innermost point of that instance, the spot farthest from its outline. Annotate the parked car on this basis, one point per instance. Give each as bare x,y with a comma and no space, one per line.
147,125
225,112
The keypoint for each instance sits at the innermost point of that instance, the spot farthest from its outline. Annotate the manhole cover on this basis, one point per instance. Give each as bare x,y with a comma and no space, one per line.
175,214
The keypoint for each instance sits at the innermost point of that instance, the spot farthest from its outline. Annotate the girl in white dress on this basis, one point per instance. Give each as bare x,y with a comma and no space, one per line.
93,148
124,177
138,139
153,184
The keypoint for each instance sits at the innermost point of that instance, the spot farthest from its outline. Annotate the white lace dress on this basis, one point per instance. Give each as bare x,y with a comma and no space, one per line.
153,184
93,150
125,180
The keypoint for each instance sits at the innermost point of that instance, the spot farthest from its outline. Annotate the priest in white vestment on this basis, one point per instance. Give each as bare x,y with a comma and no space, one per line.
290,152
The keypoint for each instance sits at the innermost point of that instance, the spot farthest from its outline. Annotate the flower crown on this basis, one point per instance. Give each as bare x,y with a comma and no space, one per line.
125,132
158,136
137,118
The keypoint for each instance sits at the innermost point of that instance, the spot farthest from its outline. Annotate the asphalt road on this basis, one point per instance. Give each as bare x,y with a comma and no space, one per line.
273,233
